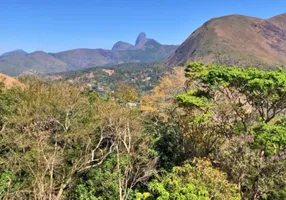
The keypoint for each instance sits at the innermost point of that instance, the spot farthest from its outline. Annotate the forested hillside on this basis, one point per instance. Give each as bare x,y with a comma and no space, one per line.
143,76
204,132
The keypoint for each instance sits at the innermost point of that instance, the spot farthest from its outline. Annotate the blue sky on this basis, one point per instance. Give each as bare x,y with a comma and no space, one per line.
59,25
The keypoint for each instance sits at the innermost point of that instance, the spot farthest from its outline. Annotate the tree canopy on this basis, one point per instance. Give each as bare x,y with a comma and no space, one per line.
219,132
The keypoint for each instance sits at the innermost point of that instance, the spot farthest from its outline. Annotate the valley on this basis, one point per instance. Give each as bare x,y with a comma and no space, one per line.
203,120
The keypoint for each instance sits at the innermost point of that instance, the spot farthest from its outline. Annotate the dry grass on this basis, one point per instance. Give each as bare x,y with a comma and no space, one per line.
10,82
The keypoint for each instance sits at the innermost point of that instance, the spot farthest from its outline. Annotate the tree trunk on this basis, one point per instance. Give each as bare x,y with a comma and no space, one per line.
60,193
119,174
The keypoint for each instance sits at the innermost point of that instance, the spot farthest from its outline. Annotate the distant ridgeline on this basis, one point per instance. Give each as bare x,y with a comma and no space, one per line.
231,40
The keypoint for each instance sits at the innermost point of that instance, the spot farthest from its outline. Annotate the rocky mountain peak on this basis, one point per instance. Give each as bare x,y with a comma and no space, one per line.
141,40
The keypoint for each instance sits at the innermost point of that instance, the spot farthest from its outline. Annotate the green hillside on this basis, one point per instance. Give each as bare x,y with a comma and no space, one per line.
144,76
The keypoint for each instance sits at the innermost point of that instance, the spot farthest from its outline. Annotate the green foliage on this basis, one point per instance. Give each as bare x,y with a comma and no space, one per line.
197,180
271,138
59,141
7,103
169,145
144,76
193,98
257,176
126,93
238,103
276,195
7,183
99,184
264,90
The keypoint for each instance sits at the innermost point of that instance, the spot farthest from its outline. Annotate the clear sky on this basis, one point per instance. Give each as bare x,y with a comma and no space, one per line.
57,25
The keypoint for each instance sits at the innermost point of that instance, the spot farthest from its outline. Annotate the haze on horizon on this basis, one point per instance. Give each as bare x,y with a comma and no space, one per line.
68,24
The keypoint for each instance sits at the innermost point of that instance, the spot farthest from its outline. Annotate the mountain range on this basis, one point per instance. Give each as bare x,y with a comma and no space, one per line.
236,40
231,40
144,50
17,51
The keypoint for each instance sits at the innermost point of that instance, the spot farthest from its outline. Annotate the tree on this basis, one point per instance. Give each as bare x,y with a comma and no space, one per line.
240,103
126,93
257,177
271,138
133,161
193,180
52,133
161,100
159,112
263,90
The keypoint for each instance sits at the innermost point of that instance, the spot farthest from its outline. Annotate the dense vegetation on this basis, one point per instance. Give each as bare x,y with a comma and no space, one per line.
144,76
217,133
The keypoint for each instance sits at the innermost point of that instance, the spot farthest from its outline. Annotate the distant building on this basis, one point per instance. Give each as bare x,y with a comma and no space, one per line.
132,105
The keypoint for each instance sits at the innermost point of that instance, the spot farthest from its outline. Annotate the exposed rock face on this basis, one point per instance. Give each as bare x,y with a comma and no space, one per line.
236,40
141,40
